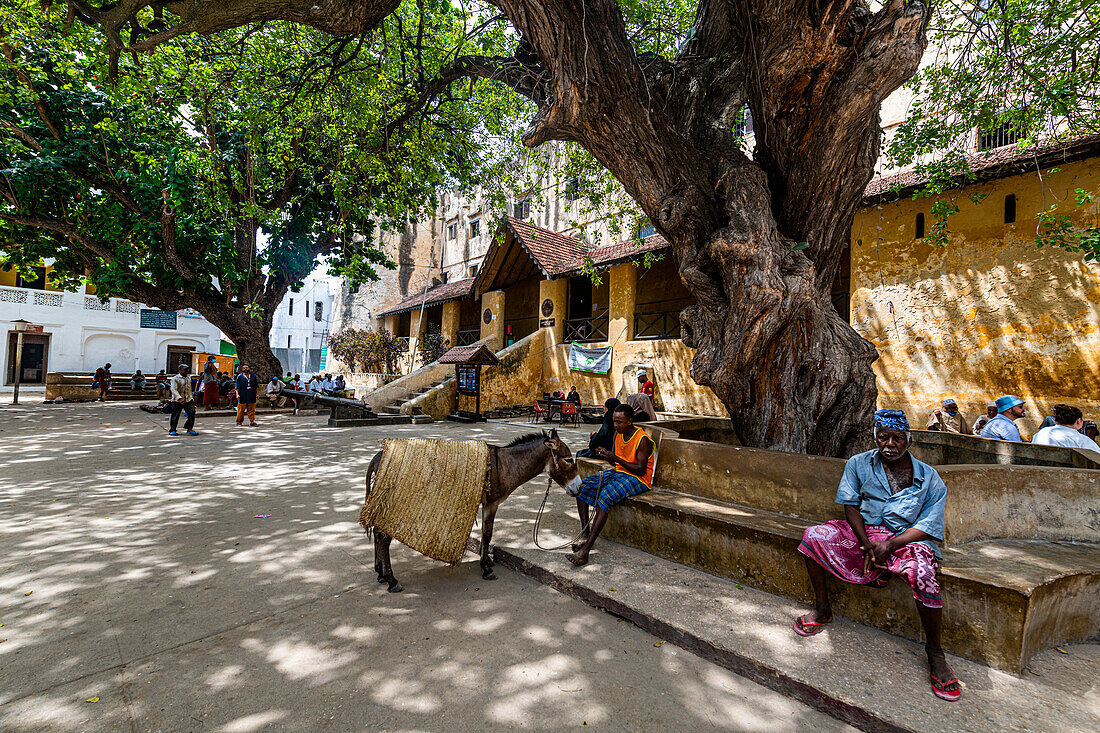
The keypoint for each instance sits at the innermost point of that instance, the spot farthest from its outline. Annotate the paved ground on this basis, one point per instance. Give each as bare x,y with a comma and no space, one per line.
220,583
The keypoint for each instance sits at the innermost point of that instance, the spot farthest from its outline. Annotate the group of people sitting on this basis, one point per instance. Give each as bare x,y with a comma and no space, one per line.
1066,428
893,519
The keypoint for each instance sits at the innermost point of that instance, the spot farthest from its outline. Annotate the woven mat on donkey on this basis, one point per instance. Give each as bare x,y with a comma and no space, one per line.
426,492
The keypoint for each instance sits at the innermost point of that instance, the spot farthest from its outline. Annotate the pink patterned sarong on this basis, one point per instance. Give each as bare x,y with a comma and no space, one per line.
834,546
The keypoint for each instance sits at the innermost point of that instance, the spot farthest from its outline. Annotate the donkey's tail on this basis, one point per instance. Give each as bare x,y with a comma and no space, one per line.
371,470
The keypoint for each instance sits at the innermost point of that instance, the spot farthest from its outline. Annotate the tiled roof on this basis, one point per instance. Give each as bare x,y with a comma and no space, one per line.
472,354
988,165
611,254
551,250
439,294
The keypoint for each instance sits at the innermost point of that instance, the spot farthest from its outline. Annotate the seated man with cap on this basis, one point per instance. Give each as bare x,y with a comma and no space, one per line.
953,422
1003,425
894,515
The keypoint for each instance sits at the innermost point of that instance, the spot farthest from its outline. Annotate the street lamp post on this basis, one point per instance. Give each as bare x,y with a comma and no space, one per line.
20,327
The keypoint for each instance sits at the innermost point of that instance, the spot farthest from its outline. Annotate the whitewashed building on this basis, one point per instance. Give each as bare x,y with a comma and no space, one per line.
302,322
75,332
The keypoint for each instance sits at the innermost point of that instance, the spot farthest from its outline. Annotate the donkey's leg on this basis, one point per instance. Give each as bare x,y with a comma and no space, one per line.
378,566
486,538
383,541
371,469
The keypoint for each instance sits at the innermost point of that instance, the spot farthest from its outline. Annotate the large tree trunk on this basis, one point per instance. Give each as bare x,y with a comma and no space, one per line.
758,240
251,336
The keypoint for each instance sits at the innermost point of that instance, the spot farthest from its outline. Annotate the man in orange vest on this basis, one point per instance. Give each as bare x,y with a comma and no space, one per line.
630,474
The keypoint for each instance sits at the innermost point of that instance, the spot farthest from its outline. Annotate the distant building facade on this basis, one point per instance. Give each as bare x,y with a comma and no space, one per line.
302,323
75,332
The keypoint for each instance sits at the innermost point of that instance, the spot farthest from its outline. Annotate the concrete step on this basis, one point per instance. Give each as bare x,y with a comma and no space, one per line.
1004,599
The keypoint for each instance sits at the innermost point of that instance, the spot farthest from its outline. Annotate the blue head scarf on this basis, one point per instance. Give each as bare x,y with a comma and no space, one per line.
891,420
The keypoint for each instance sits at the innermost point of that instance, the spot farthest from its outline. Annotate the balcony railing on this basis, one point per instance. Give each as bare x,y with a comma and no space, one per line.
465,338
52,300
586,330
660,325
10,295
407,340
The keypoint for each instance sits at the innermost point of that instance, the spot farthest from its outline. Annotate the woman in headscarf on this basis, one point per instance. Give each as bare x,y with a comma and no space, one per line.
605,436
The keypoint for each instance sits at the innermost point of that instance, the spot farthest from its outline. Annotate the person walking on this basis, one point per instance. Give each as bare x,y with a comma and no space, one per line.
247,387
181,399
211,396
103,378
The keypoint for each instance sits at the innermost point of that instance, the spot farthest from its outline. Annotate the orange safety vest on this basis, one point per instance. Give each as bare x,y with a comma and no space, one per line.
628,449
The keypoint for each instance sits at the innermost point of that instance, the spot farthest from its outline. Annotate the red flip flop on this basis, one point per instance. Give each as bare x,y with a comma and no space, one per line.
802,627
949,695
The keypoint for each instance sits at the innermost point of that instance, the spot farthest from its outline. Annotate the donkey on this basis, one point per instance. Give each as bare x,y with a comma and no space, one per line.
510,466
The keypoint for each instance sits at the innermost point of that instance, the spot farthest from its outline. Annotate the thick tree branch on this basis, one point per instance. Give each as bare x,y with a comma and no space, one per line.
338,17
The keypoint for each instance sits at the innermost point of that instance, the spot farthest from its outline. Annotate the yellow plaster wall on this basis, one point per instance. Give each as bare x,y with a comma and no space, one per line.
493,301
988,314
8,278
517,379
557,292
667,361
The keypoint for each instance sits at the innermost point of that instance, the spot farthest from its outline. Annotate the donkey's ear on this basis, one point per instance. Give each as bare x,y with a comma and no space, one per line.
554,434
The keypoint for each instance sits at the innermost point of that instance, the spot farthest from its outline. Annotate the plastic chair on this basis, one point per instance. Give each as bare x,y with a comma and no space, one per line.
570,411
537,412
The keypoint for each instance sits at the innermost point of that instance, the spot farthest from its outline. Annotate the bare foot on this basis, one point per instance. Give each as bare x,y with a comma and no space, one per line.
579,558
580,543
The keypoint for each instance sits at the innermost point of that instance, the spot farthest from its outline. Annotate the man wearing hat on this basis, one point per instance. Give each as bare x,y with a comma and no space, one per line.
1003,425
181,399
894,515
645,386
953,422
990,413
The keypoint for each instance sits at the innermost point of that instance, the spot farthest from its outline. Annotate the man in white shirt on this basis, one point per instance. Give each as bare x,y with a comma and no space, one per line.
1068,420
315,384
327,385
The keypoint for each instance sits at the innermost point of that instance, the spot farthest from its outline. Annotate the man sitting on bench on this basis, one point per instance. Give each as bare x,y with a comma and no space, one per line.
631,474
893,506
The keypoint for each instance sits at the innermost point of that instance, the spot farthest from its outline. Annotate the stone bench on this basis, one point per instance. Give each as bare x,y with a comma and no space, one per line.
1021,565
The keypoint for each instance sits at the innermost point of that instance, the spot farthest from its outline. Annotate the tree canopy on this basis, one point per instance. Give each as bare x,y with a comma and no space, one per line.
1028,69
216,173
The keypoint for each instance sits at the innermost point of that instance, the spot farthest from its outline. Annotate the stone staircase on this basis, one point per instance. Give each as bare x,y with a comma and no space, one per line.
1021,559
393,407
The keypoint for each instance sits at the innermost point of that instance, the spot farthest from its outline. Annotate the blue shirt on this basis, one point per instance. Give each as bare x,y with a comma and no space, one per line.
246,388
921,505
1002,428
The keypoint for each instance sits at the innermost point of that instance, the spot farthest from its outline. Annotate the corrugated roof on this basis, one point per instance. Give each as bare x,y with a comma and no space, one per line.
439,294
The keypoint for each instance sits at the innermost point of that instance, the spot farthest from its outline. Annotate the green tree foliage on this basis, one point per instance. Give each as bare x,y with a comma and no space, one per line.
376,352
1029,67
216,173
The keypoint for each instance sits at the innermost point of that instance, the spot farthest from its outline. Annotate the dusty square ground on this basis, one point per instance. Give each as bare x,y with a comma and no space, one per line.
220,582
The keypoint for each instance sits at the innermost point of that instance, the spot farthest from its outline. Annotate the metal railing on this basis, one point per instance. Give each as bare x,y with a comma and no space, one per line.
465,338
659,325
586,330
407,340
